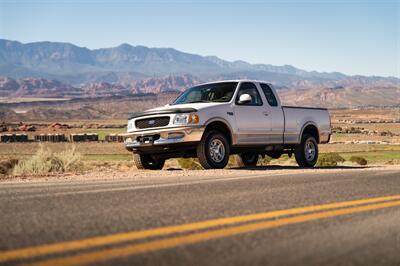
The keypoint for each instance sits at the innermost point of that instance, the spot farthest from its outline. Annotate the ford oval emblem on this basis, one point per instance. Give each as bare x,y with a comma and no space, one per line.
151,122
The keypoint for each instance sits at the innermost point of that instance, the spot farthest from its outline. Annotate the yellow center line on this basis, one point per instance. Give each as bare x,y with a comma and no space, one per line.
133,249
46,249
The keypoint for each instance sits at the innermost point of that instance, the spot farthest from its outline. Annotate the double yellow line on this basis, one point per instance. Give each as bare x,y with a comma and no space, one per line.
217,229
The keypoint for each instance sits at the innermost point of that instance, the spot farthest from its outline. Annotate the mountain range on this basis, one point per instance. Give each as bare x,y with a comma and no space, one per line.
64,70
74,65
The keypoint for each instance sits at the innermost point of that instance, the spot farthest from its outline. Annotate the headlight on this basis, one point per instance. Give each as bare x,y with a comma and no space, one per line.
186,119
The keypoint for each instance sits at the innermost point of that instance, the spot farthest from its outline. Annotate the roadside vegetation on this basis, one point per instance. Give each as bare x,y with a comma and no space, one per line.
359,160
189,163
7,166
53,158
44,161
330,160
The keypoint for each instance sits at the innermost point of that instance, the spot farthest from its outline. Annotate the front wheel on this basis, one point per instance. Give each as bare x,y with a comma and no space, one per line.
144,161
306,152
247,159
213,150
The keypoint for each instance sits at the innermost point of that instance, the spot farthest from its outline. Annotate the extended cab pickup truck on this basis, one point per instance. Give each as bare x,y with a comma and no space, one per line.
213,120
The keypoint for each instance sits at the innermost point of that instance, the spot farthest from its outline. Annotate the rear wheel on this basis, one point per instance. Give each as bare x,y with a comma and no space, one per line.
306,152
213,150
247,159
144,161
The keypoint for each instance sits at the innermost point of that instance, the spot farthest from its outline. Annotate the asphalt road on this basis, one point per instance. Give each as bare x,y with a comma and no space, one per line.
339,217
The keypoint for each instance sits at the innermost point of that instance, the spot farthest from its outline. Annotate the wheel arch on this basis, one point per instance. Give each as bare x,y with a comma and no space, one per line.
310,128
222,126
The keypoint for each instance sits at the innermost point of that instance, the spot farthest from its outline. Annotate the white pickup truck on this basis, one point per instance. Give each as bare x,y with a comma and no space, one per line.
214,120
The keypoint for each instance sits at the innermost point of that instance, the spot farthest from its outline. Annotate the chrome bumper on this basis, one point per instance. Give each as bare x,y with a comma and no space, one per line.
167,136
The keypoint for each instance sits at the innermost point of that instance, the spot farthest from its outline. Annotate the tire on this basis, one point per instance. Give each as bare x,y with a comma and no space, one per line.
213,150
143,161
247,159
306,153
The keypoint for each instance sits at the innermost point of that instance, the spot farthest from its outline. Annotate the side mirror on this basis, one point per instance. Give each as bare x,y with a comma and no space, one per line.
244,98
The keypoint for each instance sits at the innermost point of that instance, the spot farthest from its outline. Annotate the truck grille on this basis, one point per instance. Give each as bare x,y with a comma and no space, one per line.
152,122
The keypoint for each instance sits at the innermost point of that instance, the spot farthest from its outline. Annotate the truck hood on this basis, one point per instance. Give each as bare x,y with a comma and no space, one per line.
197,106
178,108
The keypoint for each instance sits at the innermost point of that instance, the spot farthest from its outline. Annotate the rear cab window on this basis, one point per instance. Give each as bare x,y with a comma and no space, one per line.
269,95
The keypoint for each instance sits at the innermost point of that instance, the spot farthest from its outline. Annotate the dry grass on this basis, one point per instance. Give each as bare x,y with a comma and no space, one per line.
45,161
189,163
19,150
341,148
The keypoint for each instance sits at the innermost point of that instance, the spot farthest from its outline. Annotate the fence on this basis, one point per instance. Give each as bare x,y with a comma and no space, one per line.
50,138
81,137
14,138
114,138
84,137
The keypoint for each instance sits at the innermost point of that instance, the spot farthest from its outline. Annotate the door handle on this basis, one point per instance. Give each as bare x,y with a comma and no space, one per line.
266,113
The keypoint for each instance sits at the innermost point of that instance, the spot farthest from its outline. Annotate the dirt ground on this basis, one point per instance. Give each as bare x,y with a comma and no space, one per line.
132,173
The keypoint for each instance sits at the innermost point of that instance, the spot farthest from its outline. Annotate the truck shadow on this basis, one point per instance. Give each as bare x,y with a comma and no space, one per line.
280,167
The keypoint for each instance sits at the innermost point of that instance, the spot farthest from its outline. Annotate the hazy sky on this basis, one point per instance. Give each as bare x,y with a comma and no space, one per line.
353,37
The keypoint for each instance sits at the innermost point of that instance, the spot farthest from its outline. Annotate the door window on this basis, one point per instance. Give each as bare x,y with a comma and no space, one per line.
250,89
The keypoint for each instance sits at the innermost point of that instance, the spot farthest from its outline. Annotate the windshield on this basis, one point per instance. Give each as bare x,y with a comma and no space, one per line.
215,92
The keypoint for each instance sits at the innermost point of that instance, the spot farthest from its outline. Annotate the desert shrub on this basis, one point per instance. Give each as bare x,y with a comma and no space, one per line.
359,160
70,160
329,159
232,163
7,166
189,163
45,161
264,161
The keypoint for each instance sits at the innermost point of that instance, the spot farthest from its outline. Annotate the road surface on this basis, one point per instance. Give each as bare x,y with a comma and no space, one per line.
335,217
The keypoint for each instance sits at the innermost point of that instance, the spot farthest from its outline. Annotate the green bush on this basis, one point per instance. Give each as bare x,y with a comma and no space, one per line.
329,159
359,160
45,161
189,163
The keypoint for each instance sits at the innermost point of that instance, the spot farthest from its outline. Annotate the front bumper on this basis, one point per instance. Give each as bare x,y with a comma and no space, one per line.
164,136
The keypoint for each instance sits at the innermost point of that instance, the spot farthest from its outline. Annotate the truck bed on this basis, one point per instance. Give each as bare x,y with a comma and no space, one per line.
296,118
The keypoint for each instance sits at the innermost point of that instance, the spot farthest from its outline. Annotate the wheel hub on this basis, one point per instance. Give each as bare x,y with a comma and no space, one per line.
310,150
217,150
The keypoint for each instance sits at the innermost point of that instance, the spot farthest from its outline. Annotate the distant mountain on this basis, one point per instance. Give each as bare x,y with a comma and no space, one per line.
332,97
39,87
164,84
36,87
342,97
124,64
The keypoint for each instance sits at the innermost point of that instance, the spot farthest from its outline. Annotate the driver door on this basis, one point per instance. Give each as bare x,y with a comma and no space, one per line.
252,120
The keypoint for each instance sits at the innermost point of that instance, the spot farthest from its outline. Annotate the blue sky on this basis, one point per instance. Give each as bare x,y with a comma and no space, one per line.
353,37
